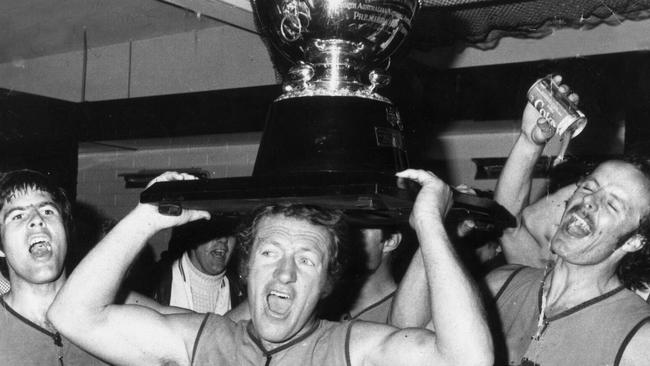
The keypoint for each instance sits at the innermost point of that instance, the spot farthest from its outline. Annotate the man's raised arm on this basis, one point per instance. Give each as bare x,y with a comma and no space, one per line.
513,187
83,310
462,336
410,307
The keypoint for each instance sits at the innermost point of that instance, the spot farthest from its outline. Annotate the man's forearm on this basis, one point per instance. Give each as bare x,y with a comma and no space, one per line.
456,309
411,307
513,187
94,283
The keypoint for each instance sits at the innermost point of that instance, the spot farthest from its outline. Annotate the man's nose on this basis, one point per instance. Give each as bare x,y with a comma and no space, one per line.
286,270
36,219
590,202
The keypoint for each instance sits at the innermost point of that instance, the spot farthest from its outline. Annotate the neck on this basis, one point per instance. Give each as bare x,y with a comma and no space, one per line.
270,346
378,285
568,285
33,300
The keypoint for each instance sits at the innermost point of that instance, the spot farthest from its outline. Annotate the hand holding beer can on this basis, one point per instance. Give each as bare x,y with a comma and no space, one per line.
555,107
558,111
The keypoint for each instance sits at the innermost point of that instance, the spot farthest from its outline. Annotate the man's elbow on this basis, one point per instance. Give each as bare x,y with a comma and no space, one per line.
479,352
70,321
483,354
60,317
485,358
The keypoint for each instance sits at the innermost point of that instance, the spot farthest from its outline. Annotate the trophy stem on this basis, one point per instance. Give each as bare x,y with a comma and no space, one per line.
333,68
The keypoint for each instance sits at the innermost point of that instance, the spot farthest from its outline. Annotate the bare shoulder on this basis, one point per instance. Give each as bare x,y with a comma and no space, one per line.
381,344
637,351
241,312
498,277
186,326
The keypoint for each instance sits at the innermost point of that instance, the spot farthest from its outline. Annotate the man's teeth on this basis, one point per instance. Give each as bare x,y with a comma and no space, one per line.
279,302
279,294
579,223
37,240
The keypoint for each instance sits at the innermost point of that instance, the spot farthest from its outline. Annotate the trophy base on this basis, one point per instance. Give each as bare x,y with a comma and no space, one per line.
332,134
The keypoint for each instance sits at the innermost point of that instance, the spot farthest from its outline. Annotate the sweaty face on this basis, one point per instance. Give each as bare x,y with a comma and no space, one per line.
33,236
605,207
287,275
213,256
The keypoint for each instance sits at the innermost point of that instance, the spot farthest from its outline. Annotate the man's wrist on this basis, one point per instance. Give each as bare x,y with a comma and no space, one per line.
143,220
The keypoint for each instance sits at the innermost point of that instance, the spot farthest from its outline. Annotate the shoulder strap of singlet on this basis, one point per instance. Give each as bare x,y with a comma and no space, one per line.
628,338
198,336
505,284
347,343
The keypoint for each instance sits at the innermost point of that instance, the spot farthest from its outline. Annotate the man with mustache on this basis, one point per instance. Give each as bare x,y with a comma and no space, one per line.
578,310
295,253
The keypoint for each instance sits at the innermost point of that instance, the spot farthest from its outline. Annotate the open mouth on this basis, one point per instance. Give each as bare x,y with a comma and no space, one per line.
279,303
578,226
218,252
40,247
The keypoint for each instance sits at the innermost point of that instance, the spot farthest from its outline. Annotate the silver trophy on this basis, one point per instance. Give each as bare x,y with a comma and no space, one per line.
338,47
330,118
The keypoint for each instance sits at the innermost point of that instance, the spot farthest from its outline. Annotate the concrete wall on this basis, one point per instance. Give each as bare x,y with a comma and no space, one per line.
100,186
209,59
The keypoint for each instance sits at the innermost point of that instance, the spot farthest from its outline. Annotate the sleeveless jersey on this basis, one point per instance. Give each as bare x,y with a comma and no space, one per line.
593,333
223,342
377,312
25,343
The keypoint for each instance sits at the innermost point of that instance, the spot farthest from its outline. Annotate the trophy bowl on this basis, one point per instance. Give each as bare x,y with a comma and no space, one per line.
337,47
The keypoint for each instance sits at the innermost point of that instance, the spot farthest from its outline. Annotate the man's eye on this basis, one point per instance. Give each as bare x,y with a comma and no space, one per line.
17,217
267,253
613,206
587,187
306,261
49,211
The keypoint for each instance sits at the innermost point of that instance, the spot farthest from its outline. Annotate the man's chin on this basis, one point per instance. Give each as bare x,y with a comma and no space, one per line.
273,333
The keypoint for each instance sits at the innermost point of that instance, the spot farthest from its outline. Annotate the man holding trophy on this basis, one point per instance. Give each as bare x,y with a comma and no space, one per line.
294,250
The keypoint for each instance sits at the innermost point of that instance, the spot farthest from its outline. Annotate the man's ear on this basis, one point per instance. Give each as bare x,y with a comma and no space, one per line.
634,243
392,242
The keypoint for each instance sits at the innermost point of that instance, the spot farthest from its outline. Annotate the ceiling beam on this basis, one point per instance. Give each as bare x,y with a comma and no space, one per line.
237,13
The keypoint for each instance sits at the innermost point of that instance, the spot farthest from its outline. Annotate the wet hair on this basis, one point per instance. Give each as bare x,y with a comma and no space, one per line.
634,268
331,220
21,181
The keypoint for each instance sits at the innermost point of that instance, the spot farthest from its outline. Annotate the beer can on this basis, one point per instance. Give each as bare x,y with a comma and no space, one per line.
556,107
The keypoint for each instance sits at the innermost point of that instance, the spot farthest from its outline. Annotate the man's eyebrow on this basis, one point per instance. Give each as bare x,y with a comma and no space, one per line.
23,208
16,208
47,203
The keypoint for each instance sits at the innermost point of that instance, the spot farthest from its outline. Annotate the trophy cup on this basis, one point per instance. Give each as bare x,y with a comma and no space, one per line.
330,117
330,139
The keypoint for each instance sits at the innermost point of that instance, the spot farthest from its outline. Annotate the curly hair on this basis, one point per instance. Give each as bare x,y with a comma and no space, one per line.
21,181
329,219
634,268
